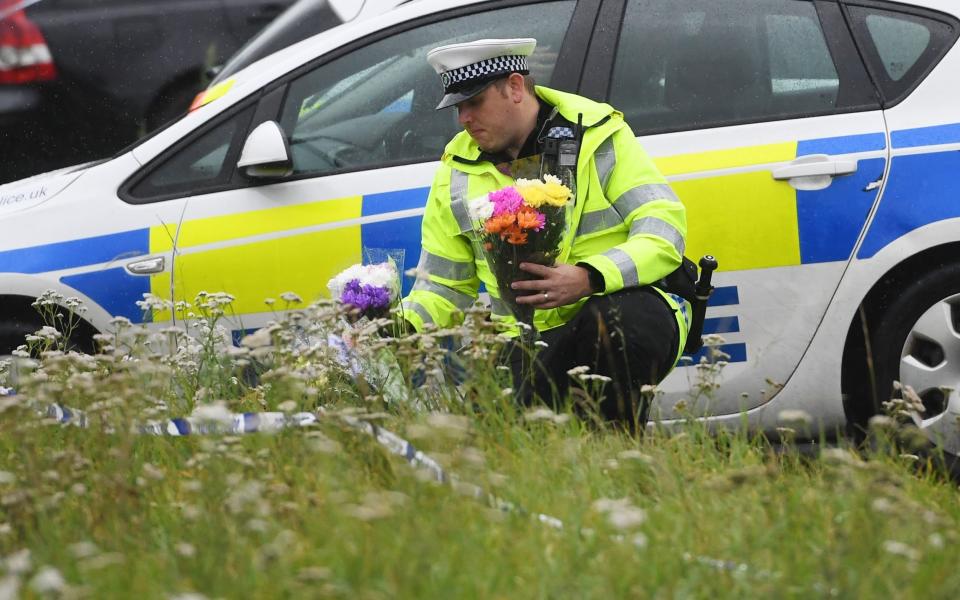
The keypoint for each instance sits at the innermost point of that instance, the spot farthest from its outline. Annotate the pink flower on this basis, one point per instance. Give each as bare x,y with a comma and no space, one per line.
506,201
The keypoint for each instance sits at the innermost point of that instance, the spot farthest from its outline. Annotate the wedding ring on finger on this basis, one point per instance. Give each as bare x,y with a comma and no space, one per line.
546,296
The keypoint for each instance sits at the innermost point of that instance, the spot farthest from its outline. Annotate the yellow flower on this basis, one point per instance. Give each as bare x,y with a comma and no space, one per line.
532,191
533,195
537,193
557,193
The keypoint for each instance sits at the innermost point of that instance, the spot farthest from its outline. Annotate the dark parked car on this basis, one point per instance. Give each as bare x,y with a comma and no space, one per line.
81,79
304,19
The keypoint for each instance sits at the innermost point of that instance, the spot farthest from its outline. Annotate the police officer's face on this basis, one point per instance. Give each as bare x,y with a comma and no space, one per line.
490,118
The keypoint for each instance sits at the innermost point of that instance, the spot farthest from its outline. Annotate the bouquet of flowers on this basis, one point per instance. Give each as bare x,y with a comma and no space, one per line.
525,222
368,290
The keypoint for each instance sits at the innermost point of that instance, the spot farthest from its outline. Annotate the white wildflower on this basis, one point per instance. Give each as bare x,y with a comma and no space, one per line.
10,587
900,549
291,298
48,581
794,417
261,338
82,550
216,412
621,513
635,455
19,562
451,424
48,333
539,414
578,371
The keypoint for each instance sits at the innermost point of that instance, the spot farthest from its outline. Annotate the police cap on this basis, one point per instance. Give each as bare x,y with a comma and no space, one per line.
467,69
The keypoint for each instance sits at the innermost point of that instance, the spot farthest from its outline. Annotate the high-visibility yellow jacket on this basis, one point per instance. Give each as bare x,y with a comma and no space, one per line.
627,222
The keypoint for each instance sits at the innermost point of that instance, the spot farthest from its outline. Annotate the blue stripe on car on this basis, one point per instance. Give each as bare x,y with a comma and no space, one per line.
115,290
729,324
736,352
395,234
926,136
846,144
922,189
724,296
76,253
830,220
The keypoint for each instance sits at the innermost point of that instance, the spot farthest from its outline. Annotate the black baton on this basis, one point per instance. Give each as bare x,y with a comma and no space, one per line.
708,264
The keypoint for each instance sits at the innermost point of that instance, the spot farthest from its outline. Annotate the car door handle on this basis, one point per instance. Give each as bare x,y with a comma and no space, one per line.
815,165
147,266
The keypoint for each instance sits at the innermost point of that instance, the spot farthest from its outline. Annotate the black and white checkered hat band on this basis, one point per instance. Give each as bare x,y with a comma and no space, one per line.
456,78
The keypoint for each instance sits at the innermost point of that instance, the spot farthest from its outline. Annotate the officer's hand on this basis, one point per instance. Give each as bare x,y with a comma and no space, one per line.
558,285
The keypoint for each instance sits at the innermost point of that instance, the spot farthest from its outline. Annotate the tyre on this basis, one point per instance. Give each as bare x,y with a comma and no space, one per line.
12,334
917,342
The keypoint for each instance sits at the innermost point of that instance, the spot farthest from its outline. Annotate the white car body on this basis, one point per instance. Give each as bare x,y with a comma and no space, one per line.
797,256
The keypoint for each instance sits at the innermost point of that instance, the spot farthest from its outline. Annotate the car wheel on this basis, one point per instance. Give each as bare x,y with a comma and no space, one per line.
12,334
917,342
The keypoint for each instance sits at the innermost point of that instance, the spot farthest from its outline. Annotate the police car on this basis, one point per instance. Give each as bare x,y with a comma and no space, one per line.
814,144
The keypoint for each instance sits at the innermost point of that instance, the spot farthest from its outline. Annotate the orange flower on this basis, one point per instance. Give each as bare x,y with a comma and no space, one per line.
499,223
514,235
529,218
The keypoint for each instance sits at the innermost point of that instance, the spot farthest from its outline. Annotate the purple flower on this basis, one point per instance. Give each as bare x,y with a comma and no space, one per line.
506,201
365,297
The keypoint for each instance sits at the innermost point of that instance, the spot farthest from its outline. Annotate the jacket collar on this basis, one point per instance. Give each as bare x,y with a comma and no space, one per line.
463,149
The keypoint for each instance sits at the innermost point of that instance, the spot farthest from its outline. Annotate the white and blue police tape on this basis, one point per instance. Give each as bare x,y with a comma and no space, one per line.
276,421
234,423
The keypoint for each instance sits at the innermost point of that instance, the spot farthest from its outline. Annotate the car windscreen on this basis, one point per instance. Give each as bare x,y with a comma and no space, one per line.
303,19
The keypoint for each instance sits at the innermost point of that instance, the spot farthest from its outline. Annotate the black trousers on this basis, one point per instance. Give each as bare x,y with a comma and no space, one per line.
630,336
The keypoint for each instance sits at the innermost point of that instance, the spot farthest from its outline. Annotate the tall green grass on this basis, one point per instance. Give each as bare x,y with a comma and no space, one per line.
326,512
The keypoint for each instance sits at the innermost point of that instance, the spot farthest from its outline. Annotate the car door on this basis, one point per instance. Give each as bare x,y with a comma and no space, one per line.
365,140
762,117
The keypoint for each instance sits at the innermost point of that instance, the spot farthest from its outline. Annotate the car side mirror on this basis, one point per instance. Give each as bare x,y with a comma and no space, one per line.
266,154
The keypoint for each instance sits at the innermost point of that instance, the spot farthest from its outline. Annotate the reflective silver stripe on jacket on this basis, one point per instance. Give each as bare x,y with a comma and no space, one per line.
628,202
420,310
605,158
446,268
598,220
499,307
626,266
458,199
459,299
660,228
636,197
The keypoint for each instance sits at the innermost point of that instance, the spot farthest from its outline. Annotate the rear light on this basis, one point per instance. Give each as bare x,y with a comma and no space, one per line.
24,54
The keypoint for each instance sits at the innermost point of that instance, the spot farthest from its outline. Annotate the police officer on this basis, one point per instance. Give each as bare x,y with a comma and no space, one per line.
595,307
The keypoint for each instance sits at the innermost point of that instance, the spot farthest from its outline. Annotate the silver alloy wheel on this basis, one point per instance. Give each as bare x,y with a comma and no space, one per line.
930,364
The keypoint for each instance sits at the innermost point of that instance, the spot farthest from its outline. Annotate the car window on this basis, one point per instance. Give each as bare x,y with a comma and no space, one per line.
703,63
376,105
901,48
203,163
